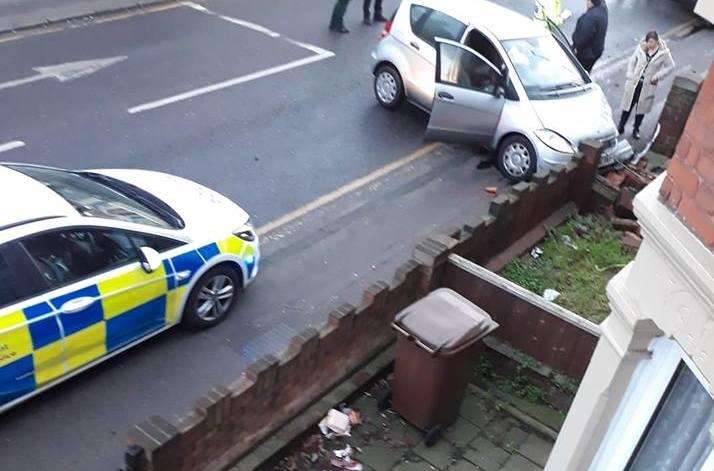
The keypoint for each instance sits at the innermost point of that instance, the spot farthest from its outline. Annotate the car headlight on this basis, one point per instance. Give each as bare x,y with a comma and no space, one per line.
555,141
246,232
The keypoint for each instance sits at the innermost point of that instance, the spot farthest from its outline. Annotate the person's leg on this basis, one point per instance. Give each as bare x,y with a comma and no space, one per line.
378,16
338,13
367,14
638,122
623,120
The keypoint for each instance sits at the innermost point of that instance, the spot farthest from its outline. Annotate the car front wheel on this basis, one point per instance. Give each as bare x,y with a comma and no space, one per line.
213,297
388,86
516,158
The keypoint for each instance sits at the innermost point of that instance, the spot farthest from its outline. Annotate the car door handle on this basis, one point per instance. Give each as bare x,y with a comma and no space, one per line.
446,96
77,305
414,45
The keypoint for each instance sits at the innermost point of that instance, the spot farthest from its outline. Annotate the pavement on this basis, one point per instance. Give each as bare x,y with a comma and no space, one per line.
259,101
485,437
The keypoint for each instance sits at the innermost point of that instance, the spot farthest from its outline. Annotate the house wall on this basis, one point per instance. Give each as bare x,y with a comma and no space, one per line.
667,291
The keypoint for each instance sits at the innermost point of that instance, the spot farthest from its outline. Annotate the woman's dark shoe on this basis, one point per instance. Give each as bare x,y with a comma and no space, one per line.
379,18
636,134
339,29
621,129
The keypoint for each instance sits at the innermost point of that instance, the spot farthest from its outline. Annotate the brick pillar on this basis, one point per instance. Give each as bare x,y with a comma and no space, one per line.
689,186
677,108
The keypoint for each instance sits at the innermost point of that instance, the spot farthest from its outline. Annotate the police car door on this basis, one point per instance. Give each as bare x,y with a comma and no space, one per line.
469,95
30,337
102,295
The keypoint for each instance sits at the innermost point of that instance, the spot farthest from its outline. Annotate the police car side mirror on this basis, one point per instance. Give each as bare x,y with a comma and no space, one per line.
150,259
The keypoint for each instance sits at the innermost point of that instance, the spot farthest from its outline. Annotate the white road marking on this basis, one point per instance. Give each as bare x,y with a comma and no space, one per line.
320,54
65,72
348,188
11,145
228,83
605,68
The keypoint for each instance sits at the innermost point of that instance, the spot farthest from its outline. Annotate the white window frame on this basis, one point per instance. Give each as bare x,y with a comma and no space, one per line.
647,386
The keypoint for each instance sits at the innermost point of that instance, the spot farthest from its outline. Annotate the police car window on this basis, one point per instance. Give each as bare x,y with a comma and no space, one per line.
9,292
66,256
160,244
428,24
94,198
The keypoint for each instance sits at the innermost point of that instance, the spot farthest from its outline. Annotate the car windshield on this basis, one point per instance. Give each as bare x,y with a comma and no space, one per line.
96,195
543,66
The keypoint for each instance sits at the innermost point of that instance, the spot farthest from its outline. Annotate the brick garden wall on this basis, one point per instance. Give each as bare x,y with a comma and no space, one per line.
549,333
689,186
229,420
675,113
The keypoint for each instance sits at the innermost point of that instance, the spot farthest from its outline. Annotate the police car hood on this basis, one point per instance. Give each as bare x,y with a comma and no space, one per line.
201,208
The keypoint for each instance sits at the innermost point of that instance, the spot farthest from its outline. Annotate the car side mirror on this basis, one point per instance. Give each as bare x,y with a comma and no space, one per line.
150,259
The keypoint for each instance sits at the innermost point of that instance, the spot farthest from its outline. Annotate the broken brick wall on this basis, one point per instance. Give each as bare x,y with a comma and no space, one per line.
229,420
688,188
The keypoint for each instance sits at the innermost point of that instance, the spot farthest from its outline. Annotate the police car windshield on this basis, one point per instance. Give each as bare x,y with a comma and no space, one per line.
543,67
96,195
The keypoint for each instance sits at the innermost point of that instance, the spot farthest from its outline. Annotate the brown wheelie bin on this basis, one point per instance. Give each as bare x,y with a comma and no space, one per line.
435,358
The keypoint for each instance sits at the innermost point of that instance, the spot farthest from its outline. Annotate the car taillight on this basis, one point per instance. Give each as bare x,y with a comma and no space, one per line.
387,29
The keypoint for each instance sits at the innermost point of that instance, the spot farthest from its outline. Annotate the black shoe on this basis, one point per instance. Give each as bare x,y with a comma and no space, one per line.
621,130
379,18
636,134
367,21
339,29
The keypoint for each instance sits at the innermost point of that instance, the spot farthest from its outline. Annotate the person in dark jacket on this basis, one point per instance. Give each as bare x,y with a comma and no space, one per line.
378,17
589,34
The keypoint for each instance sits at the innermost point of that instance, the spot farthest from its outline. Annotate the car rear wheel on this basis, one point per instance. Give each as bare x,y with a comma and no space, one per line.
516,158
388,86
213,297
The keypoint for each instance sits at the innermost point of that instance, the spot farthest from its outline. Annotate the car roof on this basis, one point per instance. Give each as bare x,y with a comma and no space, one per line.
500,21
25,199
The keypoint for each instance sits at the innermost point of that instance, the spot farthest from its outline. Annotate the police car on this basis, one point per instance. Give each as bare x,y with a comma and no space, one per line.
93,262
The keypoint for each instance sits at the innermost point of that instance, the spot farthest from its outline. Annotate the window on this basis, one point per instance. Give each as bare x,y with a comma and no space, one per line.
428,24
543,66
9,291
160,244
96,195
464,69
481,44
66,256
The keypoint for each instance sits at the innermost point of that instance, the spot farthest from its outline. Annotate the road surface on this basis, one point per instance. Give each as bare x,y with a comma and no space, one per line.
259,101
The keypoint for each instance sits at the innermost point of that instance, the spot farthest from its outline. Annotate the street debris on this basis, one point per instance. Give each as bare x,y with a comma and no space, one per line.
335,424
536,252
491,190
550,294
343,459
567,240
631,240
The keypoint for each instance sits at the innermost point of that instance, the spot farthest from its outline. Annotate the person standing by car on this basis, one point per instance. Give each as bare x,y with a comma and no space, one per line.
649,64
589,34
337,23
378,17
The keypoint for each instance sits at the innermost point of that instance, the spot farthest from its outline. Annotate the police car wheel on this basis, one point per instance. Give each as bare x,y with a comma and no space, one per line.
212,297
388,86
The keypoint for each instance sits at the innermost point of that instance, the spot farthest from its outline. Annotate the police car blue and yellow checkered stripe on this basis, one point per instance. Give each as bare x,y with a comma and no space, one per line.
38,346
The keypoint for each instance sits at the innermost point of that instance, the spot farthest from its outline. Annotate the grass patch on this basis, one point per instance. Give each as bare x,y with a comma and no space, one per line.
578,260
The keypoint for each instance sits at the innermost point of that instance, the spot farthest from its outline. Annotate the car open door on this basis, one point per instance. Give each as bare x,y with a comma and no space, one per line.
469,95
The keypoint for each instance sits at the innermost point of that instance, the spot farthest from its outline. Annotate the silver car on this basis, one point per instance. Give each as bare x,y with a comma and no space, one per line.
490,76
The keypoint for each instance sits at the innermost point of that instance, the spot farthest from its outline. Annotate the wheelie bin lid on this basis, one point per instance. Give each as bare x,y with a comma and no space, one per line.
444,321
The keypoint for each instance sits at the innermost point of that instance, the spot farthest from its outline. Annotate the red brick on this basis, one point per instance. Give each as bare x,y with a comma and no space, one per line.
666,189
701,224
683,146
683,177
675,197
705,199
705,167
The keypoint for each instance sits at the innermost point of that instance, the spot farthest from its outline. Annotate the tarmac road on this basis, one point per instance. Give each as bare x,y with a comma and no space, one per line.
284,121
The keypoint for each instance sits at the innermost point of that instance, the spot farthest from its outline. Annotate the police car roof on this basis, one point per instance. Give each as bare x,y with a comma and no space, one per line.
25,199
500,21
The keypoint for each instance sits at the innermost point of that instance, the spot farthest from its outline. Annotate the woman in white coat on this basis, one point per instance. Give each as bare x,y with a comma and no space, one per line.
649,64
